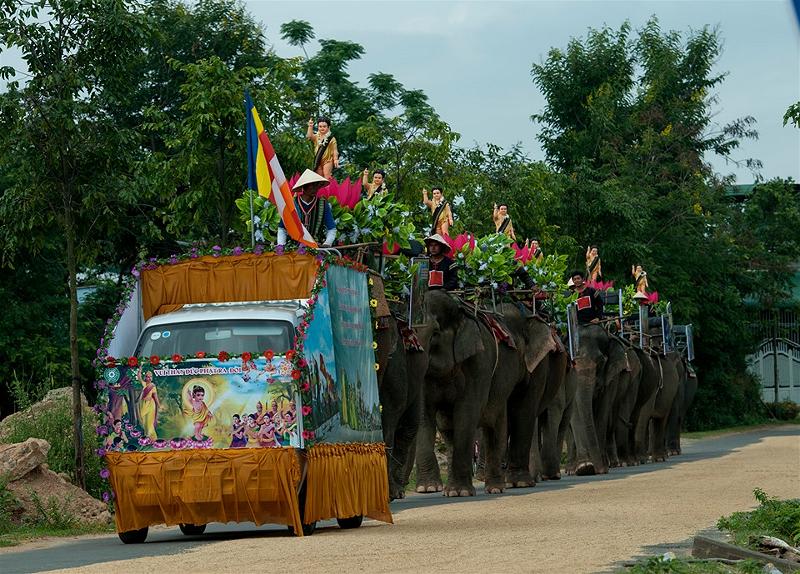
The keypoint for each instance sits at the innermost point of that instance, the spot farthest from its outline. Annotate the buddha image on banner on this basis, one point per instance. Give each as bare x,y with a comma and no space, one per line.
201,404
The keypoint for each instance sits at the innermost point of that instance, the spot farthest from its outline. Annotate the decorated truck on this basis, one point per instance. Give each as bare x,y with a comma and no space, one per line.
242,388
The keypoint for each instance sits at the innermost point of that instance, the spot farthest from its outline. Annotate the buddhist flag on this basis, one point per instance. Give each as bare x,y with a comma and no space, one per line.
264,174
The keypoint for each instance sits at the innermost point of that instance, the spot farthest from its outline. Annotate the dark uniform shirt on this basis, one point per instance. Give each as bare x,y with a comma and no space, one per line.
442,275
590,305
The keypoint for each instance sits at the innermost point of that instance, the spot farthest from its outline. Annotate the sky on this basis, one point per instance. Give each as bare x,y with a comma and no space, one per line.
473,59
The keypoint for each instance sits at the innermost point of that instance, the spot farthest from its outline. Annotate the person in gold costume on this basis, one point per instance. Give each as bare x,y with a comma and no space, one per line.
148,405
639,279
441,214
378,184
594,271
536,251
502,221
326,153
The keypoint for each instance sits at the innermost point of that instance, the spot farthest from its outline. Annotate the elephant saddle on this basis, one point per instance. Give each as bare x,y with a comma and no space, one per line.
410,340
498,330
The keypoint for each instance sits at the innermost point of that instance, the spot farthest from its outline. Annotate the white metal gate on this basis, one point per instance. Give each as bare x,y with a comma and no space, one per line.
762,363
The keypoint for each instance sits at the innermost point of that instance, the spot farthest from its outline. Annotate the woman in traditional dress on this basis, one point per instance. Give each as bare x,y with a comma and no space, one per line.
639,279
502,221
378,184
148,405
594,270
441,215
326,154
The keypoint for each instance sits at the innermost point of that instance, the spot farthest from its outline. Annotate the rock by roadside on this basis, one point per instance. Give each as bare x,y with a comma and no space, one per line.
29,480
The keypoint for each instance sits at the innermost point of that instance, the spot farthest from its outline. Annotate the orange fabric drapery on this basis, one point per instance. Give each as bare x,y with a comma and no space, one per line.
345,480
247,277
201,486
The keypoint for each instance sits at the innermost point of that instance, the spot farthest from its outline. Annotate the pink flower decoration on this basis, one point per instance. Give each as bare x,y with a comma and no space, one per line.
601,285
652,298
293,180
306,410
307,434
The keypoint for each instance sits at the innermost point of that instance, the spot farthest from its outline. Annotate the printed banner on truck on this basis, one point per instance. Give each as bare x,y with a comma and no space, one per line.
201,404
357,382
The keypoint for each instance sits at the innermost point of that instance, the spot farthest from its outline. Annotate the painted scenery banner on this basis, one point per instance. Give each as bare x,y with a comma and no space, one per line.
319,352
357,382
200,404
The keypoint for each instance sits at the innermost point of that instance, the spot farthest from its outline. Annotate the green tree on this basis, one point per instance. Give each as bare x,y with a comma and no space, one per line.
66,160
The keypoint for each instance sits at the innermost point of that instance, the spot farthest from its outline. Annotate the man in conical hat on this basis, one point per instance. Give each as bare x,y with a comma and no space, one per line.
442,273
315,212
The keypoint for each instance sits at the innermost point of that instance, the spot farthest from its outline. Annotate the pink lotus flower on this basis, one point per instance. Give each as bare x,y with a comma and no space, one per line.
522,254
347,193
293,180
601,285
652,298
460,241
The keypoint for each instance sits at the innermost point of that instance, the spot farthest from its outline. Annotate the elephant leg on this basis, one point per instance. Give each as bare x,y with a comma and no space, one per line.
429,477
659,440
521,425
572,451
464,423
589,455
495,438
535,460
550,455
642,431
405,437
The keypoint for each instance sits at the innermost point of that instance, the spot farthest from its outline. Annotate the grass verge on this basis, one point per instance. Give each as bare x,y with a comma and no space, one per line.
659,565
772,517
743,428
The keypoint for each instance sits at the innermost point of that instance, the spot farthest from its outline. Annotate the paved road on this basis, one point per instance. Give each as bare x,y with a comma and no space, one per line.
170,541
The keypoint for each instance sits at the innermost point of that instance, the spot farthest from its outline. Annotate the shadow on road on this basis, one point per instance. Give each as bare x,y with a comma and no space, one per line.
168,541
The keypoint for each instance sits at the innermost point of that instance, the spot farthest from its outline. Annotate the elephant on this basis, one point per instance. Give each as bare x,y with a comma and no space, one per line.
552,423
469,379
545,362
621,451
616,384
589,420
686,391
652,422
400,374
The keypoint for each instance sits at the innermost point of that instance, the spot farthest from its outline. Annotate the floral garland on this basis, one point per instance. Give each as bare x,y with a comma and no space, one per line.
299,373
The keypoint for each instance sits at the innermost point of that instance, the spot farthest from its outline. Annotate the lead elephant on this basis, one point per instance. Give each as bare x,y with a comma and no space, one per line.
652,423
402,363
470,376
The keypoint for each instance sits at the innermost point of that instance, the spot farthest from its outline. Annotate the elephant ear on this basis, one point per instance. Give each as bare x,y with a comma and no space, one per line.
539,343
467,341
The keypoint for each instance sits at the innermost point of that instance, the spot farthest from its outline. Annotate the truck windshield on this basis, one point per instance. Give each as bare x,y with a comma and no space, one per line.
235,336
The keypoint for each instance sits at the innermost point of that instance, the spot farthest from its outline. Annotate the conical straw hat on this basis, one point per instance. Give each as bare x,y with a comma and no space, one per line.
309,177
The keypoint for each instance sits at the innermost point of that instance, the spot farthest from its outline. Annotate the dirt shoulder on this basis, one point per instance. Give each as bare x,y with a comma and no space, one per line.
585,528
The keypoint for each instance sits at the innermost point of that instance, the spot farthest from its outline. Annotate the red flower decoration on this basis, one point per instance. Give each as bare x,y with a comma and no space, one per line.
223,356
302,363
305,387
111,362
290,354
154,360
246,356
269,354
133,362
308,434
306,410
200,355
176,358
295,374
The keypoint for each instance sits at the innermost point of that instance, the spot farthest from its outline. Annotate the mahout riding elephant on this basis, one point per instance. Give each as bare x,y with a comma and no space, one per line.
402,363
620,447
470,376
686,390
544,357
587,417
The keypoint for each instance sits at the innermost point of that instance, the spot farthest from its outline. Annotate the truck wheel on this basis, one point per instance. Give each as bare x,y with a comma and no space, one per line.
352,522
133,536
308,529
193,529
